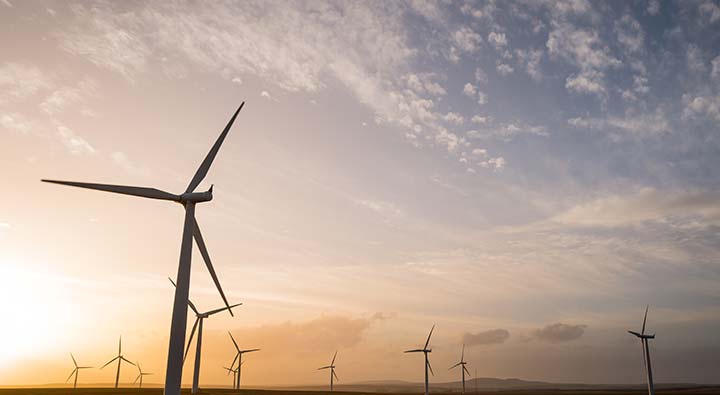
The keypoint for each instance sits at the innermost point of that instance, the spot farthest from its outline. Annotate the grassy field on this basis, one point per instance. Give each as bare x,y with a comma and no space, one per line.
211,391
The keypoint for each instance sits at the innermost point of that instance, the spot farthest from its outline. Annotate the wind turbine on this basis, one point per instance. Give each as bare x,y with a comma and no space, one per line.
332,371
75,371
646,352
238,357
120,359
425,350
234,372
199,318
191,230
140,375
464,369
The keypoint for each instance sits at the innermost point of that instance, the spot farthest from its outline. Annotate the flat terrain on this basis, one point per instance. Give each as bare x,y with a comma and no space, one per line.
714,390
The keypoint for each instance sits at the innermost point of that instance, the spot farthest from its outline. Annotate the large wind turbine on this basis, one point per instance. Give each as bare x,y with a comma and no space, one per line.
199,318
140,375
425,350
120,359
463,369
332,371
646,352
191,230
75,371
238,357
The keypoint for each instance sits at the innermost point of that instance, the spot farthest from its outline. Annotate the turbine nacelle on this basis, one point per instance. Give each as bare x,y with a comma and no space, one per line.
197,197
642,336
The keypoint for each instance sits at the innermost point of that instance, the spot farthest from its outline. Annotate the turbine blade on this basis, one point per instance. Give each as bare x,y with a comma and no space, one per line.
428,339
73,358
466,370
150,193
211,312
645,319
324,367
233,340
635,333
120,346
454,366
334,356
234,359
642,344
416,350
462,356
71,374
192,306
206,257
246,351
427,361
335,374
109,362
192,333
131,363
205,165
136,378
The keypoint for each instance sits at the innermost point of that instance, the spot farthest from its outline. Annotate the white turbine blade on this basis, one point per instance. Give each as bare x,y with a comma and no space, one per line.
211,312
109,362
645,319
206,257
205,165
150,193
428,339
73,358
192,306
192,333
233,340
333,360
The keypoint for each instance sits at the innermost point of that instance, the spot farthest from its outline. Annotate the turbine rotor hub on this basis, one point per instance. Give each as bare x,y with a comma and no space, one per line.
197,197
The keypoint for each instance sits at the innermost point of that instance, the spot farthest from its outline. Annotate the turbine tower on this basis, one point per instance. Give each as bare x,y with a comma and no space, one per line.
238,357
425,350
644,340
463,369
199,318
332,371
75,371
140,375
191,230
120,359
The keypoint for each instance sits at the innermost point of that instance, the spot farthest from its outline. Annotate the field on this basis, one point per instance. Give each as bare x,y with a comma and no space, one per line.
210,391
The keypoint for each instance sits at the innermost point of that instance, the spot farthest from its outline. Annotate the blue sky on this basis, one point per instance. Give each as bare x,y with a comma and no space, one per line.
489,166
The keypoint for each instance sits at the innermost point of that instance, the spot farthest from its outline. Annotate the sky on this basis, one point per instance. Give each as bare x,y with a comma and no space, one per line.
526,175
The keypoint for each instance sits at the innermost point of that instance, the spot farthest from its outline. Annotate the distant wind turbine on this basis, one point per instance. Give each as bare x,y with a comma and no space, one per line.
200,317
425,350
238,357
332,371
234,372
188,199
140,375
463,369
75,371
646,352
120,359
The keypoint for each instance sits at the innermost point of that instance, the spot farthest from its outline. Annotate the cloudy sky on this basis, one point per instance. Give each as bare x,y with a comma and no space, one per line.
526,175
